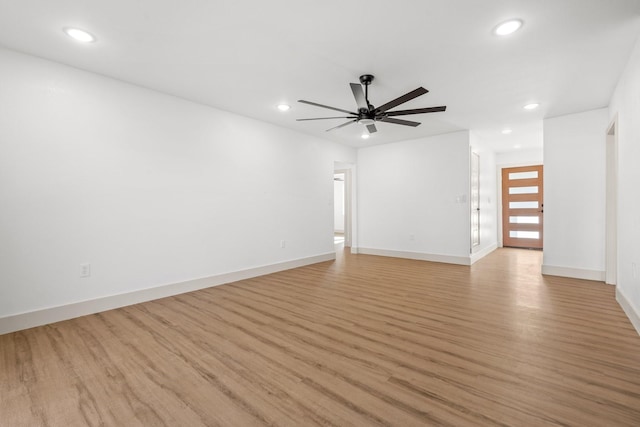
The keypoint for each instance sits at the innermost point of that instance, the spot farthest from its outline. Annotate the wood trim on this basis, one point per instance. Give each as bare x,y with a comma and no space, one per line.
524,168
523,212
523,227
524,182
521,198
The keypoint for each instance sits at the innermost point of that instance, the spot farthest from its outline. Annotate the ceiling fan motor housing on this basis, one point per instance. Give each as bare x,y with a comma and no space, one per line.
366,79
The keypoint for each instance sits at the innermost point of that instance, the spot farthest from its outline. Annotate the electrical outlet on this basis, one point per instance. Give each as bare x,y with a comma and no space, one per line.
634,270
283,243
85,270
412,237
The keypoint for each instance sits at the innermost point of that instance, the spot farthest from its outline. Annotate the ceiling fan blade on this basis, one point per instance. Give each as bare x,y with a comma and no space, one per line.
325,118
416,111
401,100
358,94
326,106
399,121
342,125
372,128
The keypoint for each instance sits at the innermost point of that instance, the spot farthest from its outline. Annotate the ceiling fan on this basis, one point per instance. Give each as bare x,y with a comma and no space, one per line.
368,115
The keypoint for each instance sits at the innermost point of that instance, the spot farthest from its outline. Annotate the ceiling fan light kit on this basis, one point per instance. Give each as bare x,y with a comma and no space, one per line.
368,115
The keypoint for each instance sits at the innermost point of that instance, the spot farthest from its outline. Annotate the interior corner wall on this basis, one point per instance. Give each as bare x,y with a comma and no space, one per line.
413,198
147,188
625,103
574,195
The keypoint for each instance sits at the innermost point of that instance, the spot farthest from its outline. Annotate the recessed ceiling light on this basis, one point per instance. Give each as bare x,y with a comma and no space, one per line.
517,146
532,106
80,35
506,131
365,136
508,27
284,107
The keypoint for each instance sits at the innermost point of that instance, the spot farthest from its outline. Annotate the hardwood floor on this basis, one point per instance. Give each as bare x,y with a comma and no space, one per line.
361,341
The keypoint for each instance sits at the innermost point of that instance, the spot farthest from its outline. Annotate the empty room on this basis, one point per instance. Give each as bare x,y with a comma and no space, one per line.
296,213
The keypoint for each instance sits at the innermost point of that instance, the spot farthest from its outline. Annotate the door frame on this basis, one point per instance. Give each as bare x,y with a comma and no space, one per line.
499,192
475,157
348,223
611,231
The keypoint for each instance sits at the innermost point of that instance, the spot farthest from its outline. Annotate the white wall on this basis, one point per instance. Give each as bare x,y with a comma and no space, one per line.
488,195
574,194
625,103
520,158
413,198
147,188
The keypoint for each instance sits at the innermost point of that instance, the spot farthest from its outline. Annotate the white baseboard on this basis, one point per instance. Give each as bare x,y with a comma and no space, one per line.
632,312
574,273
45,316
448,259
477,256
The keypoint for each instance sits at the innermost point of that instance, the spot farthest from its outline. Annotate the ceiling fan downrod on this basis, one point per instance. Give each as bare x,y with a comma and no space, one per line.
366,80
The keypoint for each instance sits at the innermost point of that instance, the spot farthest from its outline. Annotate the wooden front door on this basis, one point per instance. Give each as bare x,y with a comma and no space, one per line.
522,207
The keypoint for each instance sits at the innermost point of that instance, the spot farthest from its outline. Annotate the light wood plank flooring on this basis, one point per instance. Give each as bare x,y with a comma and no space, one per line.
361,341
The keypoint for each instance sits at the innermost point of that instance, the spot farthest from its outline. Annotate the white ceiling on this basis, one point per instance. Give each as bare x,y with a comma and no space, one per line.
248,56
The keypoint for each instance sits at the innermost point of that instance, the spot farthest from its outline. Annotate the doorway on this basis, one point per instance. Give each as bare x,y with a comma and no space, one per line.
523,207
342,208
338,208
